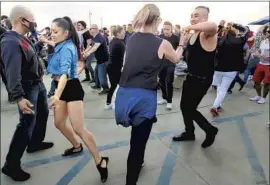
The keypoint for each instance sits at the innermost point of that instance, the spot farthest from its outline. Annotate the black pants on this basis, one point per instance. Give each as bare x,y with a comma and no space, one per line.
194,89
31,129
114,76
166,79
138,141
238,80
87,73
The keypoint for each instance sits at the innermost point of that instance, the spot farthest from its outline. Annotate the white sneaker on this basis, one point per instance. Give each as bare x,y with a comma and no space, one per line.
169,106
261,101
162,102
108,107
255,98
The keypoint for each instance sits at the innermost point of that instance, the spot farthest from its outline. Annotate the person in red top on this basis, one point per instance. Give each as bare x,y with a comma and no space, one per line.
251,37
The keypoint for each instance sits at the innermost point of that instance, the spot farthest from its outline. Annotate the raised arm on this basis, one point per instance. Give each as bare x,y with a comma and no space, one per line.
209,28
245,31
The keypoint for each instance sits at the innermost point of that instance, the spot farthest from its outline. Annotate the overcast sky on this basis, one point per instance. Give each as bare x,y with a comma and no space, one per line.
123,12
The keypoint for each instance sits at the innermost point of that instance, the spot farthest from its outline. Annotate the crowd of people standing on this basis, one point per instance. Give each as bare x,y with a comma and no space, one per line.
138,60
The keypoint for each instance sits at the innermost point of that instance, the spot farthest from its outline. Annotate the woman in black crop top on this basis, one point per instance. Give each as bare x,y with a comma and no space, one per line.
116,57
136,99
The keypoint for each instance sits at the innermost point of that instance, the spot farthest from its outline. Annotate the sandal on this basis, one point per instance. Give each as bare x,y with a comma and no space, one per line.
72,151
103,171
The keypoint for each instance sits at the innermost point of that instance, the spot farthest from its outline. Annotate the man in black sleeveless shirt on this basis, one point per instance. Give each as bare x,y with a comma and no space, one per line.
201,50
166,75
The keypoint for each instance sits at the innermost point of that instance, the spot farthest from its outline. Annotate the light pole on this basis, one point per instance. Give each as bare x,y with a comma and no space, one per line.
90,18
101,22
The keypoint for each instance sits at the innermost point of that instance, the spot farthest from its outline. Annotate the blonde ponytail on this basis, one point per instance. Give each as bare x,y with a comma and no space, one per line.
141,18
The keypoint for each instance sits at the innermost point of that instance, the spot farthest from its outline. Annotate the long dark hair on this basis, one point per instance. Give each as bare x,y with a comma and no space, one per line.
265,29
66,24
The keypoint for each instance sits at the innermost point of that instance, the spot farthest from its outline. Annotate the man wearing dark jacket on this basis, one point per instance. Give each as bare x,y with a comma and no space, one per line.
23,72
3,77
166,75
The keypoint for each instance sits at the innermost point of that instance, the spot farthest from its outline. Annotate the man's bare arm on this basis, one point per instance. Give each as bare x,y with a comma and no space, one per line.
92,50
209,28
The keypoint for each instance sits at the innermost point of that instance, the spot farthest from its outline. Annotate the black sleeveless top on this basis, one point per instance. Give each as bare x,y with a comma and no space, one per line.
200,62
142,64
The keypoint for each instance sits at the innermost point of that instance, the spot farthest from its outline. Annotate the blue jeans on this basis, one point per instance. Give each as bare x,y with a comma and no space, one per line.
251,65
52,89
101,75
31,129
89,66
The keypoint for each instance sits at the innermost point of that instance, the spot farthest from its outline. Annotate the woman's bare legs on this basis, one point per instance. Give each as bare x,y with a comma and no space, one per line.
258,88
60,118
265,90
76,116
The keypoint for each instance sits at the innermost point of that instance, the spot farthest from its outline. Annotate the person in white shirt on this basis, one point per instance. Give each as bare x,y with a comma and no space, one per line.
262,72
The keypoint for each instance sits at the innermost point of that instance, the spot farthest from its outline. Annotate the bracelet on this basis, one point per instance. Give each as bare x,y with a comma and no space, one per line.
181,45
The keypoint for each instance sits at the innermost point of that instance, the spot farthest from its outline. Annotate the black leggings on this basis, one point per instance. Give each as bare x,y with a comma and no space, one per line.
138,141
114,76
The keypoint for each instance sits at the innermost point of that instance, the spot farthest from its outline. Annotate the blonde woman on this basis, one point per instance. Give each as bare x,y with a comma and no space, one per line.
136,99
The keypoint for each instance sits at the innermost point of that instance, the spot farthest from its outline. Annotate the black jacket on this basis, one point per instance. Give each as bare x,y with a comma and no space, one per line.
230,52
20,63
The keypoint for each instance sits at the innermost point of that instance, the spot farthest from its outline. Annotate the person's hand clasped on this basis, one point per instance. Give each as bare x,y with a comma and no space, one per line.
55,101
26,106
85,55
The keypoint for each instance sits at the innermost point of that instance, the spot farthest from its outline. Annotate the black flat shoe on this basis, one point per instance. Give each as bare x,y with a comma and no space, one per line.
103,171
72,151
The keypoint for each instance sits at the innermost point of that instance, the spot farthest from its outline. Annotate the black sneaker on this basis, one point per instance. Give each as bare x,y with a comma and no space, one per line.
104,91
42,146
16,174
184,137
